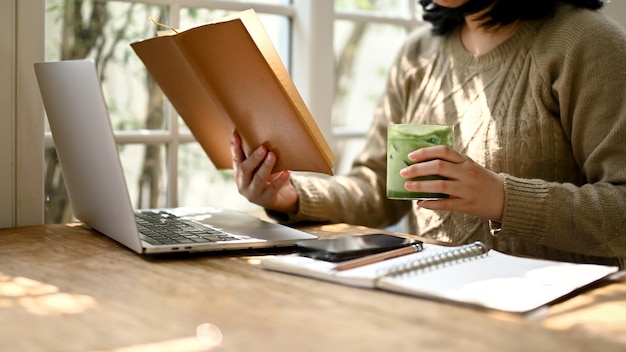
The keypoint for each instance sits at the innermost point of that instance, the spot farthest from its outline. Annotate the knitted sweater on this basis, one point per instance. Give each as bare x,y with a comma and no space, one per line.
546,109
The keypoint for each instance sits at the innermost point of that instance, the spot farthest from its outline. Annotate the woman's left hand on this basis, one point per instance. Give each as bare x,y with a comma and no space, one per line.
473,189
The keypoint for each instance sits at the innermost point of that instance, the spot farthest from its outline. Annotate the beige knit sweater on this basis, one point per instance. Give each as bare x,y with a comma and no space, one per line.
546,109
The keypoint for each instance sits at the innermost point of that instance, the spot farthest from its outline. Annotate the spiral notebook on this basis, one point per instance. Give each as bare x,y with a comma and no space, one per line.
467,274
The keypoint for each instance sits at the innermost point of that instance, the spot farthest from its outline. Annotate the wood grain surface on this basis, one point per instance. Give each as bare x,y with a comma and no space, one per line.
67,288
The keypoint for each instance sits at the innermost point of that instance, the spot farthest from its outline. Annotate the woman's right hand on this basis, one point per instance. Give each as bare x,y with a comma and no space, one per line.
255,180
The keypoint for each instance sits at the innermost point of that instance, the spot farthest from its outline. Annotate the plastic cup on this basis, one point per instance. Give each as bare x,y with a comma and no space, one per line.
403,139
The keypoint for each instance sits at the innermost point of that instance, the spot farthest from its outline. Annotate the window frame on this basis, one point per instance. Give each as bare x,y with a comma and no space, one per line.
21,153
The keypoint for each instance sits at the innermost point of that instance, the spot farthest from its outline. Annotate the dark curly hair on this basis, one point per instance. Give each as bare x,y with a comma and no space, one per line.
503,12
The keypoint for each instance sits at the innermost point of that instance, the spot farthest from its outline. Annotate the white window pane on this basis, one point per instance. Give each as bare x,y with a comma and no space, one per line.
57,207
270,2
144,170
387,7
364,53
130,94
200,184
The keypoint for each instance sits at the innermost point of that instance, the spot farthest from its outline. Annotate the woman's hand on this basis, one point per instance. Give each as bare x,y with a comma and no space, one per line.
473,189
255,181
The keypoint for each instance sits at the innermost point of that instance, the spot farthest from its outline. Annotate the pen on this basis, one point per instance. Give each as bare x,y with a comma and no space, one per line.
379,257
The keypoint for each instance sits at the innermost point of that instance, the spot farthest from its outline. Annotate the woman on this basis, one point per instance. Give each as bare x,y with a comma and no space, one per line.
535,91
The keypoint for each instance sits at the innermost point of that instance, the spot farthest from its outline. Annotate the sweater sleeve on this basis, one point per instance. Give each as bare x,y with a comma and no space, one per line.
584,77
359,197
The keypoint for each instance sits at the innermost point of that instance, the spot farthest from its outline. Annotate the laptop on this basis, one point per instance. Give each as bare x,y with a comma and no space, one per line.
94,178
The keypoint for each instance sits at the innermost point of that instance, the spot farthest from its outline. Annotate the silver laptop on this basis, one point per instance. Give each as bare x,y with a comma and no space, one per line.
94,178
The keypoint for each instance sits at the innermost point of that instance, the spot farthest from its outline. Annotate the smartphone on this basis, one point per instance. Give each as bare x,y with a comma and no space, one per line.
352,247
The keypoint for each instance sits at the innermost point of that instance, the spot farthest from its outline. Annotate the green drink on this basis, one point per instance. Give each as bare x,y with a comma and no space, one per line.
403,139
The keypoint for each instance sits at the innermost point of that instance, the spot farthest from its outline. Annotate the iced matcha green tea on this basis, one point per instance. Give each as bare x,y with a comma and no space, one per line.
402,139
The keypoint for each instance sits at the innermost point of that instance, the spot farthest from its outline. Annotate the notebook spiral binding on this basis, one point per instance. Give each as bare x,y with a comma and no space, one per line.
453,256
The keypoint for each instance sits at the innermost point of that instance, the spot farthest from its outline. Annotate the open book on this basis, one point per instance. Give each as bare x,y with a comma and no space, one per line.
466,274
227,76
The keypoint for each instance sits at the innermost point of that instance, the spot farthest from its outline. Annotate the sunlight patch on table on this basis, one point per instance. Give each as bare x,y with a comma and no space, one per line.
21,286
340,228
40,298
208,336
593,313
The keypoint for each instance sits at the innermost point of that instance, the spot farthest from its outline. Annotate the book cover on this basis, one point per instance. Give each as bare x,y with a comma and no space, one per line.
227,76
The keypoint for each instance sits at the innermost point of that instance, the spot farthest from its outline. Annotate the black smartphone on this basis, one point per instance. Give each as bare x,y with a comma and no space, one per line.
352,247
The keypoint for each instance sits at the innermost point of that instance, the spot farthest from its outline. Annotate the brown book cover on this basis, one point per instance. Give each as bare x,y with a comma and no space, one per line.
227,76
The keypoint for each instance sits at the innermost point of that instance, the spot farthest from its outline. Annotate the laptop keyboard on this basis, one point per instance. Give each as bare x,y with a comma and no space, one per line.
166,228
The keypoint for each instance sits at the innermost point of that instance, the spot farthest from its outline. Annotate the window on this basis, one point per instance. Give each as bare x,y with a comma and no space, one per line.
364,30
163,167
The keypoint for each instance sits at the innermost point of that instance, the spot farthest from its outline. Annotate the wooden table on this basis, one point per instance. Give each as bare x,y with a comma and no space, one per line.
66,288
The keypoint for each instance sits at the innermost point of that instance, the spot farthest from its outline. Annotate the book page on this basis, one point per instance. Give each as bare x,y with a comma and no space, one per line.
499,281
